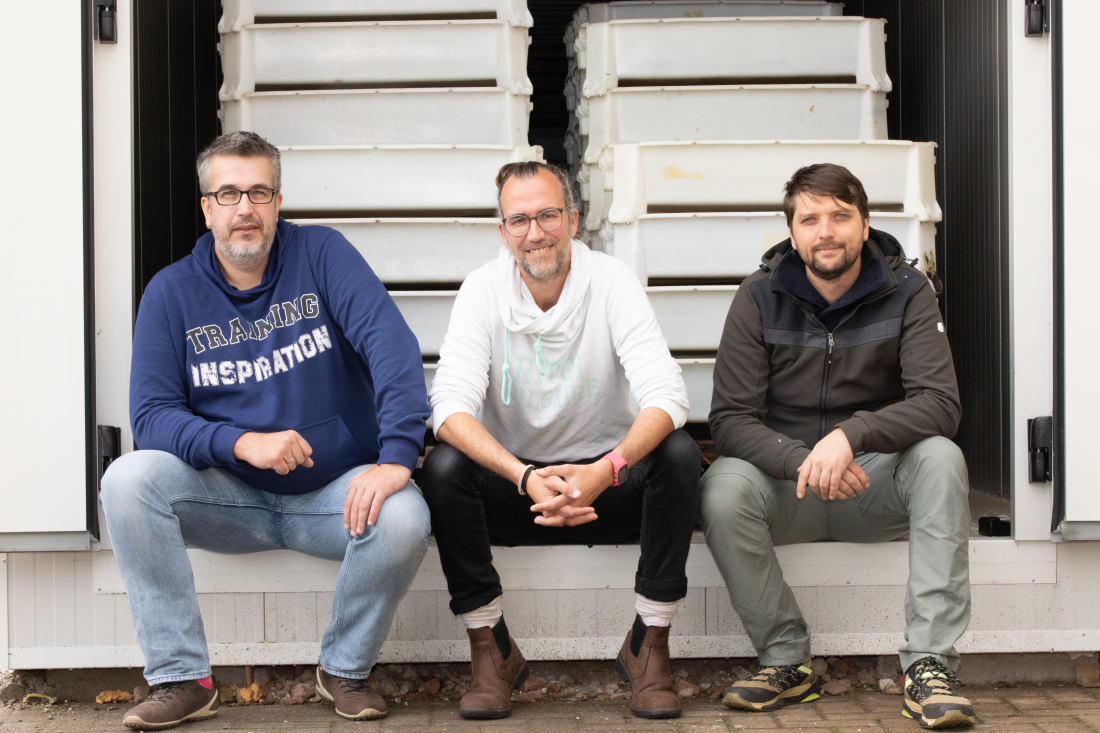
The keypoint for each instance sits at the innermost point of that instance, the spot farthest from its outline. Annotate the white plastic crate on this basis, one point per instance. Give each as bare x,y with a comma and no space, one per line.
844,49
749,175
424,250
448,116
239,13
488,53
428,312
379,178
637,9
699,379
770,112
730,244
691,316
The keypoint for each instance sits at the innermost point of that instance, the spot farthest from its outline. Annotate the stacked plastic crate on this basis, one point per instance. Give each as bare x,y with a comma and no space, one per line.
694,124
393,117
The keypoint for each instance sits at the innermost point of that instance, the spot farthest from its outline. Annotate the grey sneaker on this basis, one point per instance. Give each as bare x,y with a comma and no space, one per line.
172,703
354,699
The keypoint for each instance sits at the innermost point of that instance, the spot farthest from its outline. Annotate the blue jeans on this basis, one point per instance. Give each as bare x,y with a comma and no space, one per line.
156,506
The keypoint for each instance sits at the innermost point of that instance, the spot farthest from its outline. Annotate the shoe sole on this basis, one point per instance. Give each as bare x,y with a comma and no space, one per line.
803,693
133,722
368,714
950,719
497,714
656,714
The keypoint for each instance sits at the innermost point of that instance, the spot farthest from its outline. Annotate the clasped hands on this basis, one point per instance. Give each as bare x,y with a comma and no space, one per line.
830,471
563,495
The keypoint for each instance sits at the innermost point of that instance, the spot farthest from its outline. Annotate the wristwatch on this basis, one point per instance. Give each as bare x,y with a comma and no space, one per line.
619,469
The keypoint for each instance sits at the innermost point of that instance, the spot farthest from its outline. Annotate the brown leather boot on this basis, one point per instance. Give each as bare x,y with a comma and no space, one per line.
643,663
498,668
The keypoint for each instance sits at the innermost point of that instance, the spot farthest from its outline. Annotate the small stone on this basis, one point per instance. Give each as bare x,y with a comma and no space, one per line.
705,685
836,687
387,687
555,687
826,678
868,677
432,686
292,700
686,689
739,673
249,695
686,693
315,698
303,690
716,694
114,696
889,687
141,693
682,674
404,689
534,683
261,675
819,666
226,692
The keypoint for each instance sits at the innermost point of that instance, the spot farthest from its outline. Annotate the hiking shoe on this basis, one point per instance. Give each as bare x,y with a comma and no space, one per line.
773,687
354,699
931,697
172,703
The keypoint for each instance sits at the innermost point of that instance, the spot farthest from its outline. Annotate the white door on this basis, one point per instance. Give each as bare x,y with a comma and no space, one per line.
42,374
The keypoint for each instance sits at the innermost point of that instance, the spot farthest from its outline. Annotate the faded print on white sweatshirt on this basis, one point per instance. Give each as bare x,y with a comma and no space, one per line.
577,374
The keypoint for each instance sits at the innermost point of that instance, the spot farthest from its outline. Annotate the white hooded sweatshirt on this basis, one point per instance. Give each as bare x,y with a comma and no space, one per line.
559,383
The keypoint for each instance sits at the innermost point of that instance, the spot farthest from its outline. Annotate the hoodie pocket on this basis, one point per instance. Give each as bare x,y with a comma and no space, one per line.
335,451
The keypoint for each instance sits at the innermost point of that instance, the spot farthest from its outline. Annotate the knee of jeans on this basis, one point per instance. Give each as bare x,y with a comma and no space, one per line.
132,478
680,451
940,457
403,523
727,495
442,466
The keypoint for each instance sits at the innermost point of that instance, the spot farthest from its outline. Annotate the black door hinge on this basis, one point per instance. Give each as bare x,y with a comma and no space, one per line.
1036,21
1040,440
105,22
109,448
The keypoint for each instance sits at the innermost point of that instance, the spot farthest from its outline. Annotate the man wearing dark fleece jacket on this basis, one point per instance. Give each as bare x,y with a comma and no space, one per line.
277,397
834,403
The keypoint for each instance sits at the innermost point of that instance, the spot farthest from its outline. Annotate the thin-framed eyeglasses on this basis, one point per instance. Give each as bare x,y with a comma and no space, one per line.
232,197
519,224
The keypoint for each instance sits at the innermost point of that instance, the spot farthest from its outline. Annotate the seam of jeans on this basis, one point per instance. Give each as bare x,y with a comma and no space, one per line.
217,502
183,677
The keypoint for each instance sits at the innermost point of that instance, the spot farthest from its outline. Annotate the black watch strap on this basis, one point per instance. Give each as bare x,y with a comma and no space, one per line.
523,481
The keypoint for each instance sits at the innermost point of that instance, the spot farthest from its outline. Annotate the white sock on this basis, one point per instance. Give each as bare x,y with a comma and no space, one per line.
654,613
487,615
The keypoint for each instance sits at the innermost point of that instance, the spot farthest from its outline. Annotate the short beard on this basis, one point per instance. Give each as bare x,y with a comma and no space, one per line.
836,270
245,257
552,269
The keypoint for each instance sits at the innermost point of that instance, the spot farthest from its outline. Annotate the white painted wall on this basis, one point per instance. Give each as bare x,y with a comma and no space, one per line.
1082,159
41,195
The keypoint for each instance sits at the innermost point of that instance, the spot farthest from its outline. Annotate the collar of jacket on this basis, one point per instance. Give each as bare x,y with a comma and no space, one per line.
883,246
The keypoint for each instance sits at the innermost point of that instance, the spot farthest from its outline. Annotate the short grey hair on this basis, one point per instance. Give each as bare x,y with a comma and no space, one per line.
243,144
530,169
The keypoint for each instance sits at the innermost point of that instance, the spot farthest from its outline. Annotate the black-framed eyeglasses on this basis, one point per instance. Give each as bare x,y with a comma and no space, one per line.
519,224
232,197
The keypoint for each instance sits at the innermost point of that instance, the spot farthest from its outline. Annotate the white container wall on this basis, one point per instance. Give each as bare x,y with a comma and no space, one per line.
428,313
730,244
896,174
490,53
239,13
691,316
428,250
845,49
435,178
451,116
699,379
771,112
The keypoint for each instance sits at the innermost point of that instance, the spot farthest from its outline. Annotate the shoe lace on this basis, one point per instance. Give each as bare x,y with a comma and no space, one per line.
933,676
165,691
353,685
783,677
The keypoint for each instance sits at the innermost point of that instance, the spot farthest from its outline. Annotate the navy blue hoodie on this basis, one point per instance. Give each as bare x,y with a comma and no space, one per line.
318,347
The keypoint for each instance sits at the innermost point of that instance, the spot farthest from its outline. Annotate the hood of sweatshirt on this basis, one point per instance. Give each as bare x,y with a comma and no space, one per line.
207,260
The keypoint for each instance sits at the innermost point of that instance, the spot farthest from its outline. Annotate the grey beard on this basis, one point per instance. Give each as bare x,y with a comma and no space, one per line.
248,258
551,272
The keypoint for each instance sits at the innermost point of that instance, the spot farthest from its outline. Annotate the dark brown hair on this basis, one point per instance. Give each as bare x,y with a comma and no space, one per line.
824,180
530,169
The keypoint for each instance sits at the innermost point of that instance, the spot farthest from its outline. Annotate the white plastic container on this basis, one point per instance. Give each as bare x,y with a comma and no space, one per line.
239,13
425,250
398,54
463,115
725,50
691,316
428,312
769,112
730,244
379,178
749,175
699,379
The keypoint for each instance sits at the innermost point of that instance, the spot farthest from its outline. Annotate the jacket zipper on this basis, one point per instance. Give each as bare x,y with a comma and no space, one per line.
825,385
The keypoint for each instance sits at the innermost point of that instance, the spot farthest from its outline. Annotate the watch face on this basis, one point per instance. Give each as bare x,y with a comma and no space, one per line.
620,475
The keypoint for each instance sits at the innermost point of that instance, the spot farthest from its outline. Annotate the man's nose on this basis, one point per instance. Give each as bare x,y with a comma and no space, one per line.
245,207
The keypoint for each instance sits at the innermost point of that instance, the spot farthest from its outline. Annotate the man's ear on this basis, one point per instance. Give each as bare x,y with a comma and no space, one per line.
866,229
204,202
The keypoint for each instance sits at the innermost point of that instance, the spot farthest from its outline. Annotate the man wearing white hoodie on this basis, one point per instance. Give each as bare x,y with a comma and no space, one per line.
580,403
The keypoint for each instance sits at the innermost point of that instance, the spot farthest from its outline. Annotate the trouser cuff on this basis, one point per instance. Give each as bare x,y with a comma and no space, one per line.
656,590
782,655
472,603
908,659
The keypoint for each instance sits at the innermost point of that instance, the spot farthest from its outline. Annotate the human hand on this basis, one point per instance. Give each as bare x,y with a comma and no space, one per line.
829,470
281,452
368,490
585,482
553,496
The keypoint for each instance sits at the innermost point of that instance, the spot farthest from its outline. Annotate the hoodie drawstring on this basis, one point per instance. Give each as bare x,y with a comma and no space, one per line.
505,377
540,362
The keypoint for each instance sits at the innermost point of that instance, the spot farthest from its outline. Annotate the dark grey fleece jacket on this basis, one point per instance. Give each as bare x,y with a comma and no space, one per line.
782,382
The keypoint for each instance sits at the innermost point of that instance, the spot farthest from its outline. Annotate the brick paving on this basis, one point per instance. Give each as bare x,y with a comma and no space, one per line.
1036,709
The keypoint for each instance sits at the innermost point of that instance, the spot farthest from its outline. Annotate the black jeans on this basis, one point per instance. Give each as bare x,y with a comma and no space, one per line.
473,508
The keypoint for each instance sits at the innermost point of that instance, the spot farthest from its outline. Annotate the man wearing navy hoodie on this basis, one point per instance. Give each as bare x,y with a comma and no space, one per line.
277,397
